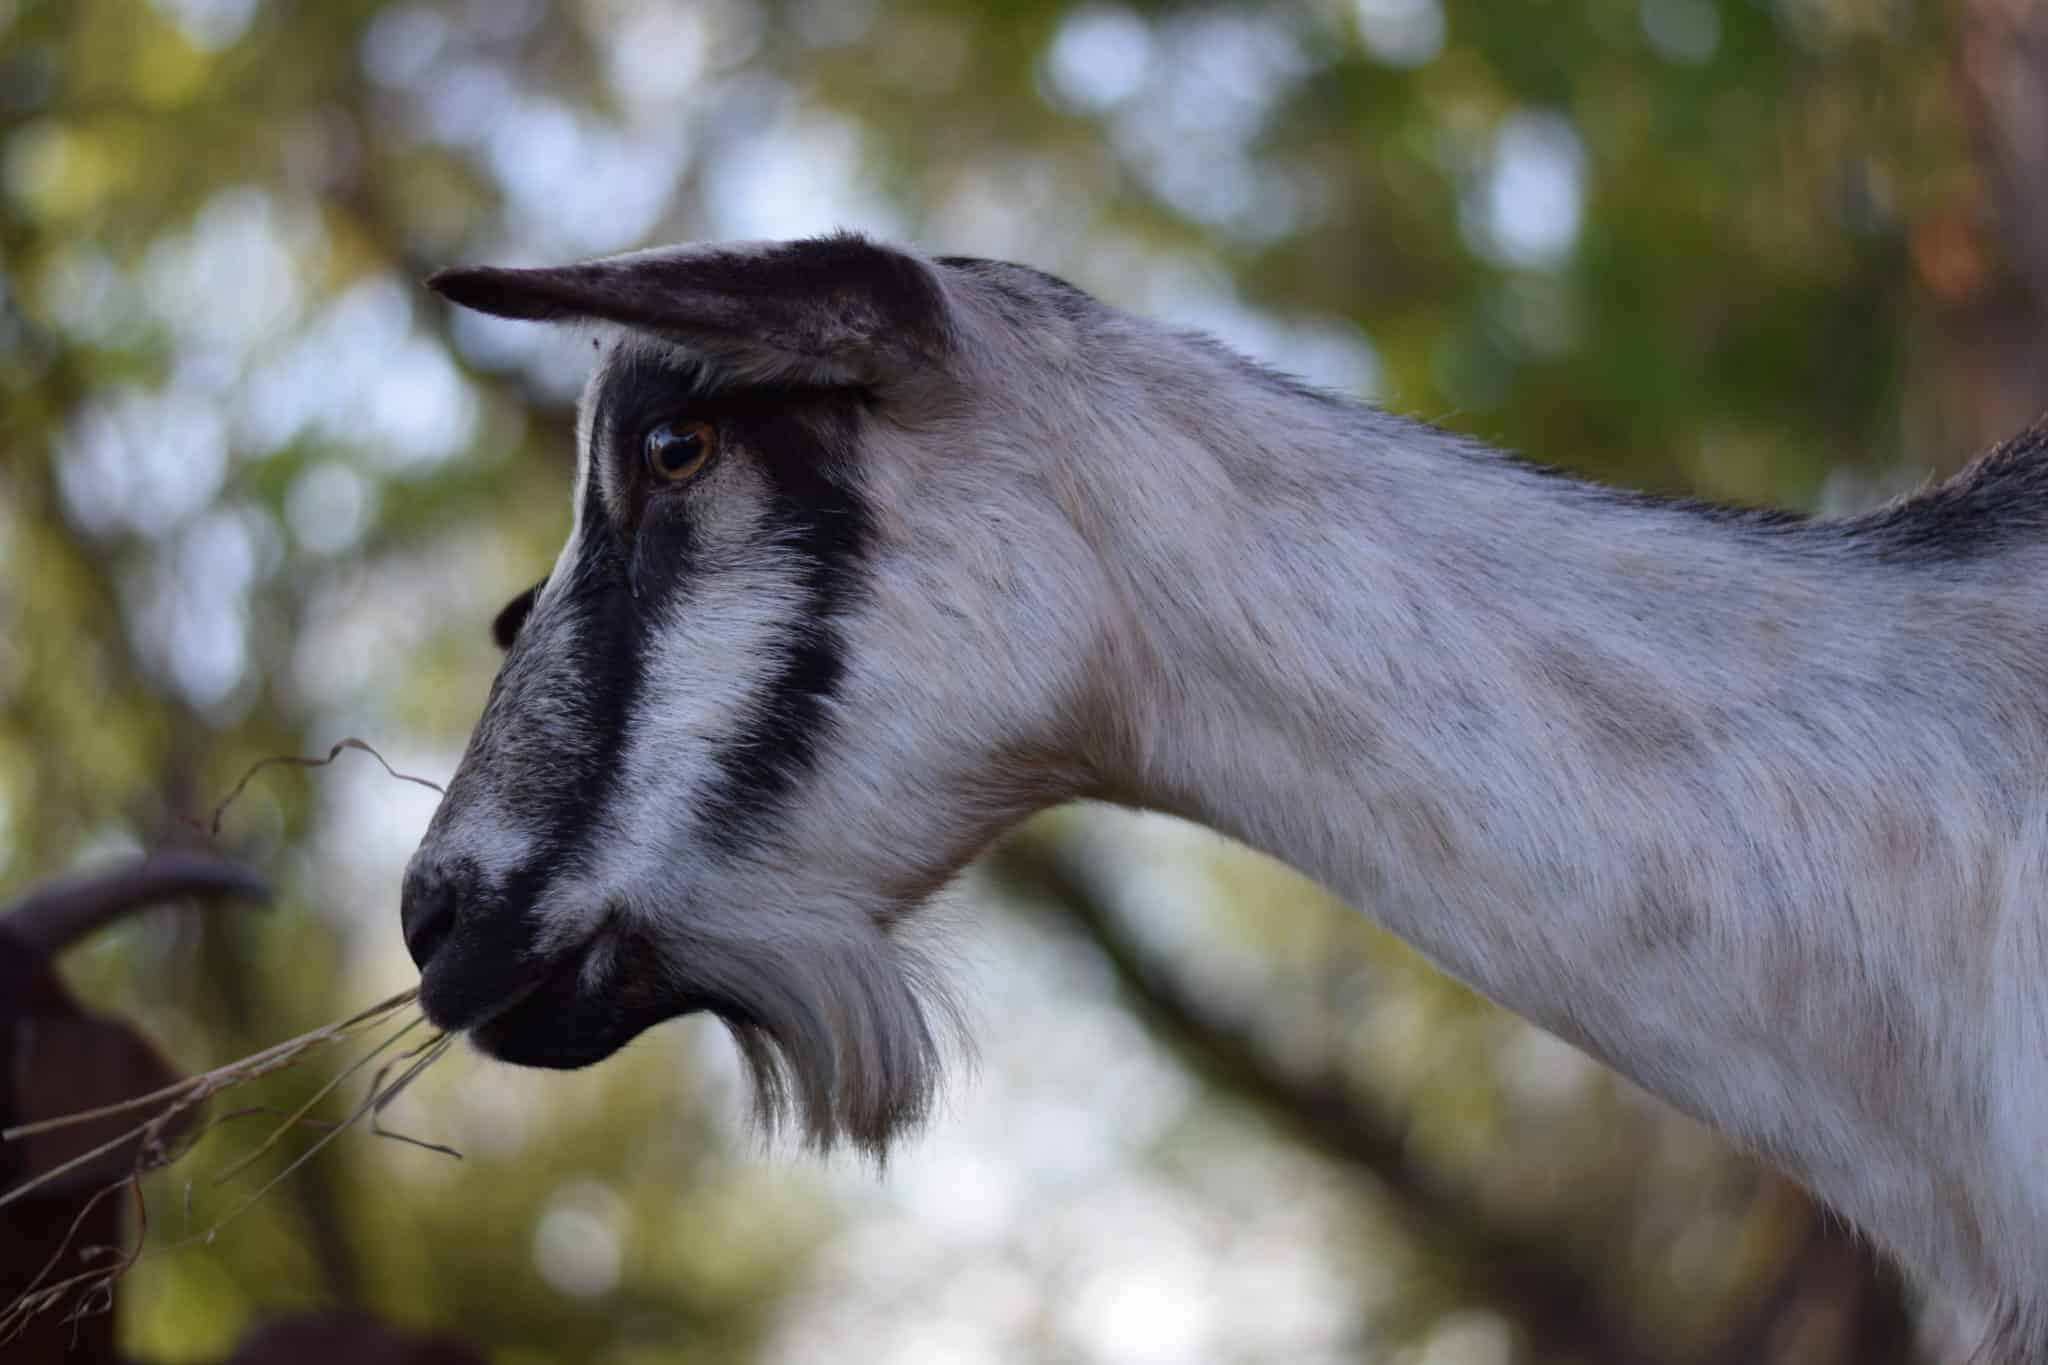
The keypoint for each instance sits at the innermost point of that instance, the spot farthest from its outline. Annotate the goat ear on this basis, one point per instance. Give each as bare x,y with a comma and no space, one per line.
505,625
837,309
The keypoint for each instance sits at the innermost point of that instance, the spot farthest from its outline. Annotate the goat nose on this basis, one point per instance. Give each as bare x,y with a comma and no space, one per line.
427,904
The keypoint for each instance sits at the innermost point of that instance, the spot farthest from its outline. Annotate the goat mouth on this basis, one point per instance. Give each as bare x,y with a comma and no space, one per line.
478,976
559,1021
520,993
462,992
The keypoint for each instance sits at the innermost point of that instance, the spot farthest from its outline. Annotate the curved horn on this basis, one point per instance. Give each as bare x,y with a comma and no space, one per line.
58,914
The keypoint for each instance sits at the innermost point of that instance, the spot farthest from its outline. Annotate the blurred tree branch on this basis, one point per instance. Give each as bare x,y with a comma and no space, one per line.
1551,1301
1828,1301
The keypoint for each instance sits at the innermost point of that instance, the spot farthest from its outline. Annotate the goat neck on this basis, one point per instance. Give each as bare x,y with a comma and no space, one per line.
1748,807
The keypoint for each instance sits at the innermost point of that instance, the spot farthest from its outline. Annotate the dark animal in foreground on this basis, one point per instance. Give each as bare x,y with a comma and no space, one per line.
57,1059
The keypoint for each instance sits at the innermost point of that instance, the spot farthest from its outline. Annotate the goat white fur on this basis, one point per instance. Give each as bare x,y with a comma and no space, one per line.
1754,809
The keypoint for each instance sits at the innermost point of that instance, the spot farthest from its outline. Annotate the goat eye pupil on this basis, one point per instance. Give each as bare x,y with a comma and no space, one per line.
676,450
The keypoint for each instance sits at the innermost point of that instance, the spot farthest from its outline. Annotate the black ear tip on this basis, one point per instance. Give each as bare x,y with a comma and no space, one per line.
451,283
489,289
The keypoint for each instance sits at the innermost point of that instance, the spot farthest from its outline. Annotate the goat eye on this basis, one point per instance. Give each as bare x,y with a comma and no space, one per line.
676,450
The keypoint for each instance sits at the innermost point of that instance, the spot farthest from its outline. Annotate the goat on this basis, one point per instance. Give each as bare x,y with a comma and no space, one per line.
873,554
57,1059
346,1338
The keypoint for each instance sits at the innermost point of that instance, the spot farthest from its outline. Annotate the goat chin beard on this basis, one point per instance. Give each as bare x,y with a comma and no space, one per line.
843,1037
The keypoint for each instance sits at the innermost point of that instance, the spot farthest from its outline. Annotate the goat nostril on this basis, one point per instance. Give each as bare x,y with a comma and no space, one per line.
426,911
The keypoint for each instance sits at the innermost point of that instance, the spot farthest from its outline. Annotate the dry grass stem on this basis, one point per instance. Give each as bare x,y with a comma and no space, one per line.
158,1144
162,1135
294,761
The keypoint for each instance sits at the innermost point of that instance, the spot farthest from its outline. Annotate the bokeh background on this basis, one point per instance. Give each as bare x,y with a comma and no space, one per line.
260,491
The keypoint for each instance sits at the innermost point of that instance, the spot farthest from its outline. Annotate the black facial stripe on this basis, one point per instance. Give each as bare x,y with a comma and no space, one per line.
568,785
816,514
629,577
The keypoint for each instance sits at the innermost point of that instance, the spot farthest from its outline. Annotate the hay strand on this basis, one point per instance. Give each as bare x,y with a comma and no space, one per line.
160,1137
297,761
91,1288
